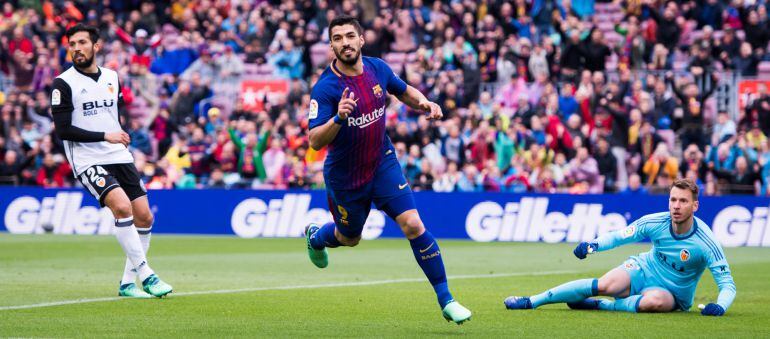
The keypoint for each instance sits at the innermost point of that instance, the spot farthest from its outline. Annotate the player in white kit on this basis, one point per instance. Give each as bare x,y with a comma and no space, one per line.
84,102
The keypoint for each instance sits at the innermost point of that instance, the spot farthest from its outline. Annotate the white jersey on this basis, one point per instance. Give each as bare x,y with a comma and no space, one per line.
94,108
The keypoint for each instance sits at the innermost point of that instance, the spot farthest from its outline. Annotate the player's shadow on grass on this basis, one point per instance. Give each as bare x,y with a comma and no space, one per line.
452,331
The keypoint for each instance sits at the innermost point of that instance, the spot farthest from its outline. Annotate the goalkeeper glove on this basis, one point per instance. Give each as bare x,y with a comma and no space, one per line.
584,248
713,309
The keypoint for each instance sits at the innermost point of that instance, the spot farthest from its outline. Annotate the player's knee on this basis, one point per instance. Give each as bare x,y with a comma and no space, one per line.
656,302
651,304
607,287
144,220
350,242
121,209
412,226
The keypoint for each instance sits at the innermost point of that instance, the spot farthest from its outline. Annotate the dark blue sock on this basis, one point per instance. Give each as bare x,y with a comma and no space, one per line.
324,237
428,255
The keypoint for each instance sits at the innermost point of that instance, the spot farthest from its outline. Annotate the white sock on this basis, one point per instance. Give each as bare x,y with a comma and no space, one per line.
132,245
129,274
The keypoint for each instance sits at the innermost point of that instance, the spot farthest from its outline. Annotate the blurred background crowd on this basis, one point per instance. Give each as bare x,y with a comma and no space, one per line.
552,96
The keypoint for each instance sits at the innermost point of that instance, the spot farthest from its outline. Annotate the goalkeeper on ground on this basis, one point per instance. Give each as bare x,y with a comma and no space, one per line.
661,280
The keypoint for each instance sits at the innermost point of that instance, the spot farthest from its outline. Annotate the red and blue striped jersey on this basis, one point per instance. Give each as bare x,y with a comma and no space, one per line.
355,153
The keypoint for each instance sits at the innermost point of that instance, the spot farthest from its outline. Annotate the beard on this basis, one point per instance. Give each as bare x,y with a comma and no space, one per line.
87,62
682,218
345,60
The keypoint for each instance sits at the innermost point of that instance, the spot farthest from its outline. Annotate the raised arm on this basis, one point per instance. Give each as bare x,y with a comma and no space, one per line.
416,100
637,231
235,138
326,118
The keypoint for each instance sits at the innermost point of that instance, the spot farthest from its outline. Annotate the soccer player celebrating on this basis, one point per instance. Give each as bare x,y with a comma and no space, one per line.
84,102
660,280
347,113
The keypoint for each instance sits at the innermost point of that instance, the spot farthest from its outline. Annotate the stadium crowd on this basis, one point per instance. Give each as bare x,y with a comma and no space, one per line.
538,95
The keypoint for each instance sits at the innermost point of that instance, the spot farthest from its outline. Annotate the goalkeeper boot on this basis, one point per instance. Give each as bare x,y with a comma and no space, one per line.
153,285
319,258
453,311
130,290
518,303
585,304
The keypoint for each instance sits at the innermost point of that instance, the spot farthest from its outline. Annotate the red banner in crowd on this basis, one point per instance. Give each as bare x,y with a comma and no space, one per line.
254,93
747,91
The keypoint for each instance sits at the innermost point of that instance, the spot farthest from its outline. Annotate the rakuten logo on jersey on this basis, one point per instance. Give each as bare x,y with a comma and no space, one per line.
737,226
366,119
287,217
528,220
61,214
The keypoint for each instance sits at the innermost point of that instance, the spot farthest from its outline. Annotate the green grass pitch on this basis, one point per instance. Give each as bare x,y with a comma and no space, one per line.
231,287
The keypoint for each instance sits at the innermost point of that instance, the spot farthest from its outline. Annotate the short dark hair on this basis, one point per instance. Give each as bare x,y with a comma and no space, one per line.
93,32
345,20
687,184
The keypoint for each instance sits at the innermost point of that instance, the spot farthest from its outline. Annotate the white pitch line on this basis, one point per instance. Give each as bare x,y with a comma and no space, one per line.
284,288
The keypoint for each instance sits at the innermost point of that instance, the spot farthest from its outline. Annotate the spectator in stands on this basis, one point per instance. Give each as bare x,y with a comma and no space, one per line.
230,66
743,179
288,61
693,105
661,163
204,67
595,51
756,32
755,138
722,157
53,171
634,185
424,180
11,167
467,181
183,104
144,86
274,159
709,14
584,172
140,138
216,180
447,182
760,108
178,159
693,160
607,164
452,147
251,153
747,62
723,129
669,28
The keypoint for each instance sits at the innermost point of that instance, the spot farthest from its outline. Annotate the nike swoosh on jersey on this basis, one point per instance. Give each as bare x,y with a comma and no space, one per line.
402,186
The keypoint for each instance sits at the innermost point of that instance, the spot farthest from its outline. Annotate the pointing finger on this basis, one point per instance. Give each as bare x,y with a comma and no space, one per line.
352,103
345,93
352,95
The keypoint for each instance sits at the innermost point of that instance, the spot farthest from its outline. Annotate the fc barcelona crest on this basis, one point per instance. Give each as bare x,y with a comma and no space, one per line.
377,91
